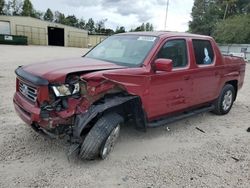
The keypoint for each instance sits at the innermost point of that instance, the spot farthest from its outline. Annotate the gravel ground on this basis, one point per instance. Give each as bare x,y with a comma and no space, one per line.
180,156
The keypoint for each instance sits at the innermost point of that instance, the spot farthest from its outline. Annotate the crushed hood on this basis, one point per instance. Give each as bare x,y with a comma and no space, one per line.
56,71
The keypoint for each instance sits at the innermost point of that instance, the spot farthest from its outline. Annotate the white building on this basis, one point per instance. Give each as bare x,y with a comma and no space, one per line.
41,32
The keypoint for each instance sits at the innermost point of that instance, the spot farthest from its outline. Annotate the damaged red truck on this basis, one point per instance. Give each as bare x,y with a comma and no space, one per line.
151,78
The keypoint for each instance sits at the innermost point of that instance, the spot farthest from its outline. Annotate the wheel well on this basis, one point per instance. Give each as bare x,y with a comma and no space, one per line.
129,110
234,83
128,106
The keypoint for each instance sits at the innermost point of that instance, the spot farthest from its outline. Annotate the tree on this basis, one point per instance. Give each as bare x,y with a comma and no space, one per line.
90,26
244,6
28,9
100,25
137,29
205,14
149,27
81,24
120,29
48,15
140,28
59,17
71,20
144,27
233,30
234,7
2,4
107,31
13,8
38,14
16,6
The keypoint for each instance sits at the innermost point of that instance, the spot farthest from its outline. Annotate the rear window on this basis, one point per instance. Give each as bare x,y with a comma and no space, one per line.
203,51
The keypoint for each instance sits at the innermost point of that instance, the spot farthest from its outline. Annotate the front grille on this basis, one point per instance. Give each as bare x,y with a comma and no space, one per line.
28,91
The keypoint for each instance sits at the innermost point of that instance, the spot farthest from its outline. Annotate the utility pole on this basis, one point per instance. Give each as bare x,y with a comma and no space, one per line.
165,26
224,17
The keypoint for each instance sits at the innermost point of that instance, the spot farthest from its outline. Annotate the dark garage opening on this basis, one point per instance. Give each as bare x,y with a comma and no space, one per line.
56,36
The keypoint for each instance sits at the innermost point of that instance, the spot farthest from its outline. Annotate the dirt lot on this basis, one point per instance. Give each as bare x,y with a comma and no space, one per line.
179,157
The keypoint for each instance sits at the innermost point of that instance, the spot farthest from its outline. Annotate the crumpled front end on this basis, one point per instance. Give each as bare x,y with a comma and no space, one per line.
37,106
30,102
52,108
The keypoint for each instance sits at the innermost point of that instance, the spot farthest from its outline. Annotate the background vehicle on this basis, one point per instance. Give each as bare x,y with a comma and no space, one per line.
152,78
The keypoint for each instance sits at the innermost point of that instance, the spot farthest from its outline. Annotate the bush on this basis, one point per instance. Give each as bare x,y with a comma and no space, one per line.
233,30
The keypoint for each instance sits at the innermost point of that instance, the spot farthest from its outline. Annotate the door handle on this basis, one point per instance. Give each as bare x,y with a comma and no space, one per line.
186,77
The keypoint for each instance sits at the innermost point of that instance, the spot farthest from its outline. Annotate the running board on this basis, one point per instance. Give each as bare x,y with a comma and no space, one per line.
171,119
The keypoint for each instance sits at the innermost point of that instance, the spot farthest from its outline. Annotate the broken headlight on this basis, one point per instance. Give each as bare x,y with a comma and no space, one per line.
66,89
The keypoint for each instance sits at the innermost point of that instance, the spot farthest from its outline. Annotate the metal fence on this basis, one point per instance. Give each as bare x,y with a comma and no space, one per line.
240,49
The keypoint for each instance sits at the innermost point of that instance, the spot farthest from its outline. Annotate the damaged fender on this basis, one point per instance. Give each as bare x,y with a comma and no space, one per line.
83,119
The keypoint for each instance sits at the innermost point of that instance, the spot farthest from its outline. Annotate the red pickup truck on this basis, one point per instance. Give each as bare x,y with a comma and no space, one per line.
151,78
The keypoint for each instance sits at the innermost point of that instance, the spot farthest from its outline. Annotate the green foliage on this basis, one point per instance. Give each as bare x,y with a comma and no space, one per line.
20,8
81,24
13,7
120,29
90,26
28,9
144,27
219,18
2,4
107,31
25,8
16,6
100,25
204,14
71,20
38,14
48,15
233,30
235,7
59,17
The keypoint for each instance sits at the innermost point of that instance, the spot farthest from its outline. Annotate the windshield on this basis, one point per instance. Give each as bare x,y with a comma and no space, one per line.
129,50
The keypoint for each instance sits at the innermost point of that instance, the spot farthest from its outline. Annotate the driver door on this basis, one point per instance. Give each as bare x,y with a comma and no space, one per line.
171,91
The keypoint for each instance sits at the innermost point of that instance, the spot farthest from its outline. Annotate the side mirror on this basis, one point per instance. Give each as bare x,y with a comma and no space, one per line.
163,65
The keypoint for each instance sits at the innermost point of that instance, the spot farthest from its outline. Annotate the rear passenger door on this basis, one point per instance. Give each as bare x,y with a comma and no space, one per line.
206,77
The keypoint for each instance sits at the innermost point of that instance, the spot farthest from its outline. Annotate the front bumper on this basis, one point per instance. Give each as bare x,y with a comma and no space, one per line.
30,114
27,111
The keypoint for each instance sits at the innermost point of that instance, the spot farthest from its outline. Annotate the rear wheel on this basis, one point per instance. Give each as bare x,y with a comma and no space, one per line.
225,101
101,139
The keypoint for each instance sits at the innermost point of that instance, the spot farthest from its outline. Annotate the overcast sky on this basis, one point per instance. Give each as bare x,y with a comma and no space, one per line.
128,13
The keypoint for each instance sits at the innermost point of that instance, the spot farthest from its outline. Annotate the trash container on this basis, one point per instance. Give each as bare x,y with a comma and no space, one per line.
13,39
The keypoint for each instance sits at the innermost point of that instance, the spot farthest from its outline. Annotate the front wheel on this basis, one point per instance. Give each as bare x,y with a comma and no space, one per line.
102,137
224,102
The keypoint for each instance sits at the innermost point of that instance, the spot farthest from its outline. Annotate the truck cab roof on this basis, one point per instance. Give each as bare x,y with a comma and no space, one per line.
166,34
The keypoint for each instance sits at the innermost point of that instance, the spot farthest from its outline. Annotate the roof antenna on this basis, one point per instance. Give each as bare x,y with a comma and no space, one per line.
165,26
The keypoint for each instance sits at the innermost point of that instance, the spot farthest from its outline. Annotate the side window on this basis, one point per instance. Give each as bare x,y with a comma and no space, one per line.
203,51
175,50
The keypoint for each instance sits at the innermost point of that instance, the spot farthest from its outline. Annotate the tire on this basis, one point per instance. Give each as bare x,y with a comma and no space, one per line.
224,102
93,145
